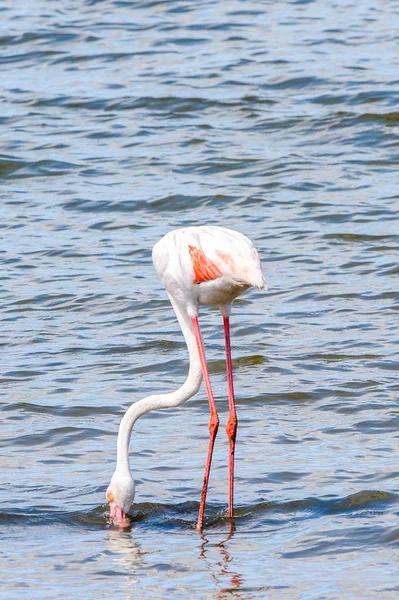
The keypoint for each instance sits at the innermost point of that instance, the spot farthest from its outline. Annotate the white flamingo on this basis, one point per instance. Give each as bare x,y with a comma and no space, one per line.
197,265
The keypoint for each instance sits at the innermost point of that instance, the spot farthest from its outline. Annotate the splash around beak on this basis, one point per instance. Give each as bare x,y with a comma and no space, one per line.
117,516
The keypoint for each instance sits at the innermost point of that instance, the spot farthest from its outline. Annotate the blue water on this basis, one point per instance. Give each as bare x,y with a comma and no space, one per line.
123,120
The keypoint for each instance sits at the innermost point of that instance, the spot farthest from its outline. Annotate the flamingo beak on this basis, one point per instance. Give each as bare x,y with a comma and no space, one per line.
117,515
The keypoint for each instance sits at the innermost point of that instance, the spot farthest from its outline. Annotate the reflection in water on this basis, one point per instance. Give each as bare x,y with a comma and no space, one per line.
229,583
126,552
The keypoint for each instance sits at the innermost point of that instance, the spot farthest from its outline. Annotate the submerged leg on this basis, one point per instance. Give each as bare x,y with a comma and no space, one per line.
213,421
231,426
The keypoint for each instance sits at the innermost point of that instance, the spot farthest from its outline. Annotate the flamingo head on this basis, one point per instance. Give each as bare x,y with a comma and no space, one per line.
120,495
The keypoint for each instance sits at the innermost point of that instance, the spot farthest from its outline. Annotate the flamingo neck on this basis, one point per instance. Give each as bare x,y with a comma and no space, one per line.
160,401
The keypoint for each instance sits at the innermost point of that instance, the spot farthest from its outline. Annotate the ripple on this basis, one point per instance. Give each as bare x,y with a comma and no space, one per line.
17,169
184,515
58,436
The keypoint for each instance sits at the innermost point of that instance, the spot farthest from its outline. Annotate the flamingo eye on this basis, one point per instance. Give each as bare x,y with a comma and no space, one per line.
110,498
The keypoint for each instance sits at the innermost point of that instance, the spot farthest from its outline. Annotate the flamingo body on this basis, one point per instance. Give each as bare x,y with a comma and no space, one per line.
206,265
197,265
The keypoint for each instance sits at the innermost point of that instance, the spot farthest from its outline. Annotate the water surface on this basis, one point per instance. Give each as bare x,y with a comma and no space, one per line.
121,121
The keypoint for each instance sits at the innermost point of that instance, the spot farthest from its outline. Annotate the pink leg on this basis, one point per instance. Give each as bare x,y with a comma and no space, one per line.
213,421
231,427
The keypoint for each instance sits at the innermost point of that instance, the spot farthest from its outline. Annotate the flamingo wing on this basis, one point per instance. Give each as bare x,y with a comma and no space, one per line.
219,252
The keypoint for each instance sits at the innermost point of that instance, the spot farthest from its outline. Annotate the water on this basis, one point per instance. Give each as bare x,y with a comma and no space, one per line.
121,121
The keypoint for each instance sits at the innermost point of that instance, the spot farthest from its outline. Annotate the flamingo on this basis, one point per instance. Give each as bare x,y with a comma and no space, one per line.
206,265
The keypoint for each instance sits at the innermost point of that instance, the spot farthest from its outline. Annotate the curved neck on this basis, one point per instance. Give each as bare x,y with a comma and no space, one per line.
171,400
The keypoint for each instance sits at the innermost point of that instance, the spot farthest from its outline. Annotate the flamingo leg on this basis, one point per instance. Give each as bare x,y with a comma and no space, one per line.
213,421
231,426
